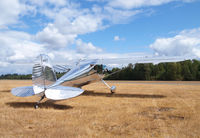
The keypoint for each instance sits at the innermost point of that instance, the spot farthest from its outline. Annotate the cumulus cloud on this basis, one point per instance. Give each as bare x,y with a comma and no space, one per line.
117,38
80,24
86,48
10,9
18,46
53,39
116,16
71,21
68,24
186,43
129,4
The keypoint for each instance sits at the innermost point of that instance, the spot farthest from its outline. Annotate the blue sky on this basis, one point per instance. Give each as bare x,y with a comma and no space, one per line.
165,21
67,30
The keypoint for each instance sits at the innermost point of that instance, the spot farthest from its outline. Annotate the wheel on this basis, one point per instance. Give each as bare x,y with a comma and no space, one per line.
112,92
112,89
36,106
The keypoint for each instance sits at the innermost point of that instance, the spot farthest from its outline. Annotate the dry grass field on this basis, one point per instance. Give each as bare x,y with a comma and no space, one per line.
135,110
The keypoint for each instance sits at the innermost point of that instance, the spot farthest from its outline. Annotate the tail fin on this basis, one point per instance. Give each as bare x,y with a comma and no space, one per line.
43,74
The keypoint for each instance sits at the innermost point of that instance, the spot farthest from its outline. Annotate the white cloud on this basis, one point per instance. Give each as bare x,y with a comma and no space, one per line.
70,21
118,16
81,24
186,43
18,46
117,38
86,48
129,4
13,68
42,3
67,25
10,10
53,39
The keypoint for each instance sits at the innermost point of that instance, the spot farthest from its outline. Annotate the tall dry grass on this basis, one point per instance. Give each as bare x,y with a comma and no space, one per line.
135,110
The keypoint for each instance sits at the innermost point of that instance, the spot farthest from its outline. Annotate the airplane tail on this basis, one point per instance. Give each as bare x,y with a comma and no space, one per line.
43,74
23,91
43,77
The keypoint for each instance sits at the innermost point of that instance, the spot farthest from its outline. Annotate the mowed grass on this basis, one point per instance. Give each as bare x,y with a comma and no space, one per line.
135,110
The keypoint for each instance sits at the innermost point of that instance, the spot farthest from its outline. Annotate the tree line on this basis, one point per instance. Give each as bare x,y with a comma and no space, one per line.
188,70
16,76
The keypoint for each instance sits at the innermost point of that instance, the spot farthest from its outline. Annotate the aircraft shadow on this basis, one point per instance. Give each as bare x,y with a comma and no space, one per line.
44,105
5,90
92,93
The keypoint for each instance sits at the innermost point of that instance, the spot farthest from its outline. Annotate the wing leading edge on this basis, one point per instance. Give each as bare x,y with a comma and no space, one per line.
144,59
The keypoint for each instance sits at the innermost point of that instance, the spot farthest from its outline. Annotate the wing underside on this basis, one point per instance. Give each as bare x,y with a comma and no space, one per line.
62,92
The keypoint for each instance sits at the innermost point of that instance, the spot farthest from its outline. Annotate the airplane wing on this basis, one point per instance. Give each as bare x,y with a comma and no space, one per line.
62,92
120,62
145,59
80,69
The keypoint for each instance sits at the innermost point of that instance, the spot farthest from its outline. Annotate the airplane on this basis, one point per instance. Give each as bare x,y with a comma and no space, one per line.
46,84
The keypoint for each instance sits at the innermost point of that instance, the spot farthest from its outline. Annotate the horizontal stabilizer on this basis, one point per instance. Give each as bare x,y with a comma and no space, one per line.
62,92
23,91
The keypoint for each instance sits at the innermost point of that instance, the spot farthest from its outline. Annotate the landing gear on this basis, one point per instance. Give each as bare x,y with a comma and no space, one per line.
37,104
112,89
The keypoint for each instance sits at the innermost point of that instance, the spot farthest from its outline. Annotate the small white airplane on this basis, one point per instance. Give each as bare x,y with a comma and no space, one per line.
46,84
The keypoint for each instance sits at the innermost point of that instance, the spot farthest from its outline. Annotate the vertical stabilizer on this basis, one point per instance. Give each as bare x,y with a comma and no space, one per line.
43,74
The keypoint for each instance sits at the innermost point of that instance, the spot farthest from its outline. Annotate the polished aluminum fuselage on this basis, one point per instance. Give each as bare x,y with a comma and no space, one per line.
80,75
84,79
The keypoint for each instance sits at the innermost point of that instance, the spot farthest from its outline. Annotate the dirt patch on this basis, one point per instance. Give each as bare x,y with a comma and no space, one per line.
164,109
176,117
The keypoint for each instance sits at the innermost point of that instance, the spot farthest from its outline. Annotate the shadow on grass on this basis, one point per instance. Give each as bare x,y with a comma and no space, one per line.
44,105
92,93
5,90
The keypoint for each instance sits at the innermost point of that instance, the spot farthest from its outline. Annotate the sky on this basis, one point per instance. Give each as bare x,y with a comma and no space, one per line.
73,29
